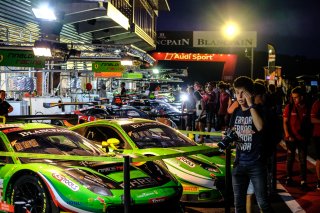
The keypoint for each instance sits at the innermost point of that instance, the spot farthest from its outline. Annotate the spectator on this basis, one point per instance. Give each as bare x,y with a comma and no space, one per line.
5,107
295,119
123,91
103,91
315,120
189,106
249,163
200,111
210,106
223,116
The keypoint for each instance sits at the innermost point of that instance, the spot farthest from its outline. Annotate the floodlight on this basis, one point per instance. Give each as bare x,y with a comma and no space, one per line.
155,71
42,48
126,62
230,30
44,12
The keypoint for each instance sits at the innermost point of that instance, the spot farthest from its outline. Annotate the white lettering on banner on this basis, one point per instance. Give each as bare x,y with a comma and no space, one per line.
243,127
217,39
189,56
172,42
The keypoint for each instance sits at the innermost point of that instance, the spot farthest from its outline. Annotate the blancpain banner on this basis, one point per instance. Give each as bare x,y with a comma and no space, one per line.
217,39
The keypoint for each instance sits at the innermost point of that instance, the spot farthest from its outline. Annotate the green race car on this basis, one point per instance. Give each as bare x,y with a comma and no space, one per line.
202,175
53,185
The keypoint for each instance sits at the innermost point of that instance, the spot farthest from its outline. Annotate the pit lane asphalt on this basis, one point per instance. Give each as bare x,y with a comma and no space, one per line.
277,204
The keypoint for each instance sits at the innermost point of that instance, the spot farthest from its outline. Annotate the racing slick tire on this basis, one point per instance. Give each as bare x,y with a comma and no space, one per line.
31,190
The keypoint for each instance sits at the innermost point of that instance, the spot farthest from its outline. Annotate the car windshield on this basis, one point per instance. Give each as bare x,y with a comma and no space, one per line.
154,135
51,141
164,106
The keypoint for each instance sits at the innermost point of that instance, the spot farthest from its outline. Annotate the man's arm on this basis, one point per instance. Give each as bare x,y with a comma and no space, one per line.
256,118
10,109
314,112
286,124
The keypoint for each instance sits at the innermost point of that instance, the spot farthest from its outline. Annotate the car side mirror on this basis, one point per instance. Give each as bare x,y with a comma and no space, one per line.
111,144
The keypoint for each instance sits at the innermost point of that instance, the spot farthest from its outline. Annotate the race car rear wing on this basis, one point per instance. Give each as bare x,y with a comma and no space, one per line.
60,104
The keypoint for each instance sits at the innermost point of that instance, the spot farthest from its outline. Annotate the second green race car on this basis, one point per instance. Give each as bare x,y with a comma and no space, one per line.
202,175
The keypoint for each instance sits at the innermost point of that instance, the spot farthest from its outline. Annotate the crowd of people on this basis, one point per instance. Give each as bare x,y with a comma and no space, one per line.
262,115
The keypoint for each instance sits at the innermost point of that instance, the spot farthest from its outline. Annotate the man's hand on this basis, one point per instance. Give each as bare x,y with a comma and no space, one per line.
249,97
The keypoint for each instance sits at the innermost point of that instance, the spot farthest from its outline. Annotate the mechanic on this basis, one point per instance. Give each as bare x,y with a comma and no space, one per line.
5,107
123,91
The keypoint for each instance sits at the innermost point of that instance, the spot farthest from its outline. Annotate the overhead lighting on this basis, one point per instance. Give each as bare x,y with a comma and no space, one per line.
126,62
38,51
44,12
155,71
42,48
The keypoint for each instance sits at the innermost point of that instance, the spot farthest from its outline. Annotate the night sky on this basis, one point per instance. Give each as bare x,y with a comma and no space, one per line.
292,26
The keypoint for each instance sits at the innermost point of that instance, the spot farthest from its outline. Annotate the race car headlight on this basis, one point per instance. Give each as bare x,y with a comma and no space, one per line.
210,168
100,190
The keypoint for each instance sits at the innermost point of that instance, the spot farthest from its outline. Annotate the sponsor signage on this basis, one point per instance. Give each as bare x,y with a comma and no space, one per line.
217,39
107,74
21,58
205,57
107,69
183,39
247,39
229,60
107,66
134,75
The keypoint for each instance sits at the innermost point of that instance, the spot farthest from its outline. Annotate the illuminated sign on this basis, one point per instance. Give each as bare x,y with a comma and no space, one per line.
107,66
21,58
246,39
229,60
107,74
217,39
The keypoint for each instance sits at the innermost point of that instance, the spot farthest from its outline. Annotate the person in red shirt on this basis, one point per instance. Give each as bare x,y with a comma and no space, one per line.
293,116
315,120
223,116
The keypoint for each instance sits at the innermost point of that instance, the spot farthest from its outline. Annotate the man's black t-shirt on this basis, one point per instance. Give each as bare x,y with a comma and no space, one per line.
249,149
4,107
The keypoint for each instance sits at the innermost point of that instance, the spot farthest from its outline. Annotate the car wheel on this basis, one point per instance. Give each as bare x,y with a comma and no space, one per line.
31,190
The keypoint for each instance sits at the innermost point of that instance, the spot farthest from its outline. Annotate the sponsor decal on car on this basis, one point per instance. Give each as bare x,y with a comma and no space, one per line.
40,131
158,200
186,161
25,144
191,188
142,124
10,125
145,194
73,203
66,181
140,182
6,131
101,200
111,169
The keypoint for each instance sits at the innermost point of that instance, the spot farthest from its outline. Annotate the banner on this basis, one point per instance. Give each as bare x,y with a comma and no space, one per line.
247,39
21,58
271,58
107,66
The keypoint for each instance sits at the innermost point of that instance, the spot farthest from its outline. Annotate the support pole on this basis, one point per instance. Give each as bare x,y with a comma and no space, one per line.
228,181
251,65
126,171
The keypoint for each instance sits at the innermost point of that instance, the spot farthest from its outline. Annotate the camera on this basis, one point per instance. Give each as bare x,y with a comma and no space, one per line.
230,137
